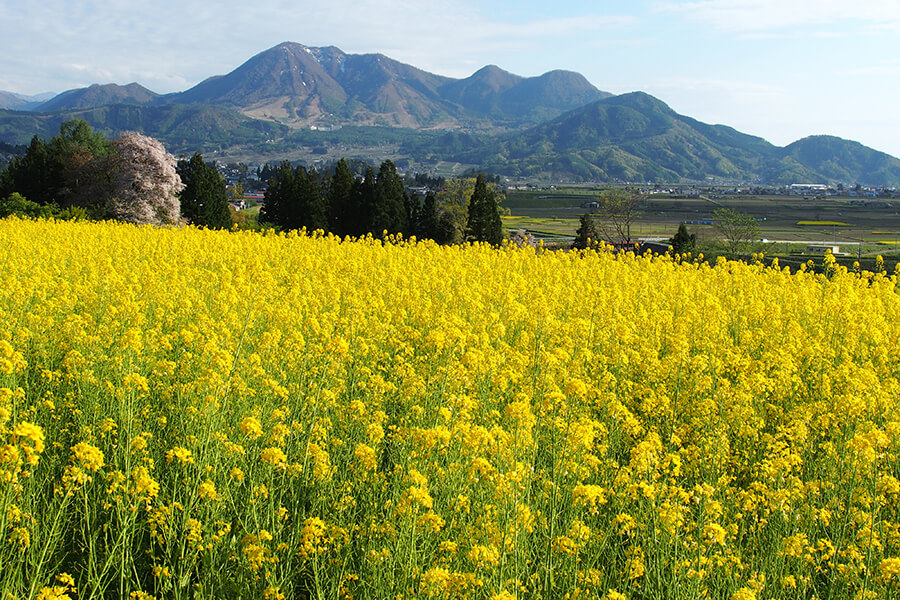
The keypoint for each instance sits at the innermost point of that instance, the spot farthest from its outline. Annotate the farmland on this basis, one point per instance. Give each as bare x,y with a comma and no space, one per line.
195,414
791,220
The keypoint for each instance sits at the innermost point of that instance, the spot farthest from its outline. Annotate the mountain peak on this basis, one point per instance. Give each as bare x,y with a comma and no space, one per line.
642,101
99,95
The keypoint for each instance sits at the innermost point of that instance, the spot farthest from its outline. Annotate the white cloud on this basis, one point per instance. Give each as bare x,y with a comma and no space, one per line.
171,44
884,68
755,15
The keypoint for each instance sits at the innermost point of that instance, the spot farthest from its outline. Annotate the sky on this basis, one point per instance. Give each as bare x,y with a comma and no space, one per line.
778,69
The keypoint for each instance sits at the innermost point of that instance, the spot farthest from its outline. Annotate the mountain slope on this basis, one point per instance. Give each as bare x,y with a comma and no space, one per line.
301,86
285,82
537,99
632,137
830,158
183,129
481,92
99,95
636,137
13,101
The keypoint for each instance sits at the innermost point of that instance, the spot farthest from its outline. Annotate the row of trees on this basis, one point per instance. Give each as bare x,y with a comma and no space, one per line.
80,173
345,204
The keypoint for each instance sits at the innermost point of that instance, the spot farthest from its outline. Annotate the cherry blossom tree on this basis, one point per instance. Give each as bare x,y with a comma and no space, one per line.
145,181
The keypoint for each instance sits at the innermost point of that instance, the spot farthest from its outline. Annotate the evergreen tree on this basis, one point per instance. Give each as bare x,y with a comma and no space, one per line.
277,197
85,163
204,201
363,218
587,232
33,175
341,200
313,204
389,212
414,215
483,223
428,222
293,211
683,242
295,199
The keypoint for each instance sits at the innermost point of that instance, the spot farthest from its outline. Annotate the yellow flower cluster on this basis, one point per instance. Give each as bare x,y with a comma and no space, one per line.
232,414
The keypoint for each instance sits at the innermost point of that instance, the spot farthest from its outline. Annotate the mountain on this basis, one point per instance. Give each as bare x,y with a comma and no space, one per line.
304,103
298,85
284,82
493,92
830,158
11,100
183,129
632,137
99,95
636,137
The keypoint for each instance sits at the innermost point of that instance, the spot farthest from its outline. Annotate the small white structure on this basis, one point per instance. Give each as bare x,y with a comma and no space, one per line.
822,249
800,189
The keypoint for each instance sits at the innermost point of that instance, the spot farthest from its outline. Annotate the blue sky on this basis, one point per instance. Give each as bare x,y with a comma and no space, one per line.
779,69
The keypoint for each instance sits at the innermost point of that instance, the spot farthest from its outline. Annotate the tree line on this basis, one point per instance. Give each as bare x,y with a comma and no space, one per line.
81,174
378,203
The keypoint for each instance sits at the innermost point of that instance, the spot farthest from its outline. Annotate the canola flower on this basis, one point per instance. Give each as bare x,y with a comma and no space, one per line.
187,413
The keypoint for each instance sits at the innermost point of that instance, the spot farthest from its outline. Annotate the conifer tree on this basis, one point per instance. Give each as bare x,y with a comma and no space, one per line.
204,201
483,223
390,201
341,205
33,175
587,232
313,208
683,241
276,201
361,220
428,222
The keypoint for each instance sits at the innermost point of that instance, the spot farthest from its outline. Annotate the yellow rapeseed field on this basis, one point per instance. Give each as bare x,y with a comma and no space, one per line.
197,414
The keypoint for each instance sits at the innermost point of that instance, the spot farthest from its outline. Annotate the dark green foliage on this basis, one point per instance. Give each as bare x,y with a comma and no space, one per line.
295,200
341,200
428,217
34,175
313,200
360,221
85,162
73,169
683,242
204,202
390,210
587,234
414,215
483,221
277,197
18,205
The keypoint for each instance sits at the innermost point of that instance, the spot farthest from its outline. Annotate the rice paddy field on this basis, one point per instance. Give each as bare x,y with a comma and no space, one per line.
787,223
197,414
